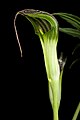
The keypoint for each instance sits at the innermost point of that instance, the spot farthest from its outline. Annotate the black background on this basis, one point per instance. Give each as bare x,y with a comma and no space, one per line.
24,85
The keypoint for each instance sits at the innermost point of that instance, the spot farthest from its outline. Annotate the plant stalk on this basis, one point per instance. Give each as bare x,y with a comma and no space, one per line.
76,112
55,100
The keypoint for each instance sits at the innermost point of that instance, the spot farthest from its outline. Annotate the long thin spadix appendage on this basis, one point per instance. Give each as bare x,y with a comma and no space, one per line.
46,27
17,34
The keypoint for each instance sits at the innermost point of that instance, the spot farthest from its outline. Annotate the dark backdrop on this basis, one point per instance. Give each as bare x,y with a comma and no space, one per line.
24,86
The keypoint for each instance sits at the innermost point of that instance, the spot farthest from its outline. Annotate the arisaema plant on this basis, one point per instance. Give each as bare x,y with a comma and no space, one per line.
47,28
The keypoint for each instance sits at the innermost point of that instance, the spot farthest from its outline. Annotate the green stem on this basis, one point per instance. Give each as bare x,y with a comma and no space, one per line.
55,101
76,112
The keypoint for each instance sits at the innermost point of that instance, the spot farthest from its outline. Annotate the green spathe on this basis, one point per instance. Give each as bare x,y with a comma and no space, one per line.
46,27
